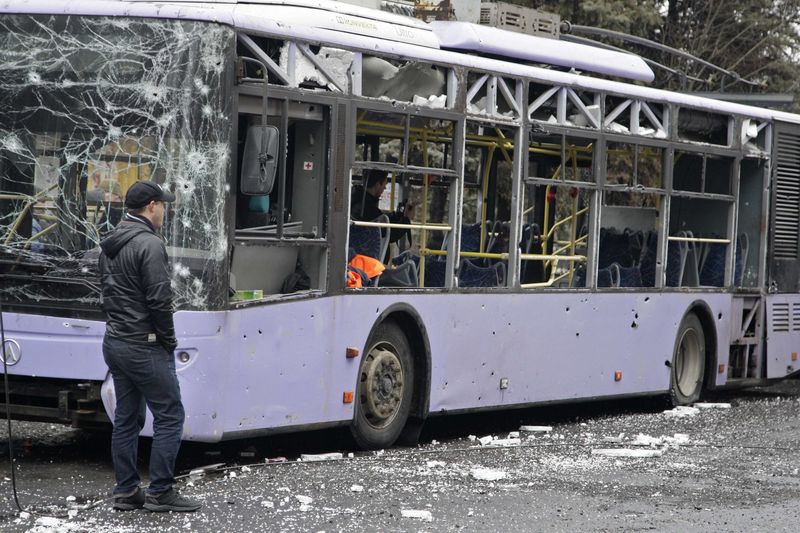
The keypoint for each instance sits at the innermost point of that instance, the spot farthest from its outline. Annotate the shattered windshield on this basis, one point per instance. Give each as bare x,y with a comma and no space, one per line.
88,106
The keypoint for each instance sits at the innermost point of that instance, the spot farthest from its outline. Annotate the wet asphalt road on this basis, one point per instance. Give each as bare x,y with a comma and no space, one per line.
735,469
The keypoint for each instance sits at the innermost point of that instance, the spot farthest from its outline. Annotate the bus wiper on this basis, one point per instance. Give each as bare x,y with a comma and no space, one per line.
91,285
18,262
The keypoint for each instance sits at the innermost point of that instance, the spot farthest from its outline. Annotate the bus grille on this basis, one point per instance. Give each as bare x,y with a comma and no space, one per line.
787,196
780,316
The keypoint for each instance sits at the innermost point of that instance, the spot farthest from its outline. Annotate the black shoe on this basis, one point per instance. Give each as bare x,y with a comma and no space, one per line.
129,501
170,501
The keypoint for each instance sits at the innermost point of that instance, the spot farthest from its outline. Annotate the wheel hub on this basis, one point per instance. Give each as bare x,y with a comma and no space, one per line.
688,363
382,386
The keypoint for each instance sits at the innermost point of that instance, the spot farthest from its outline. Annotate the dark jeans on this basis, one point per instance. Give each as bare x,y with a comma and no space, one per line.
144,375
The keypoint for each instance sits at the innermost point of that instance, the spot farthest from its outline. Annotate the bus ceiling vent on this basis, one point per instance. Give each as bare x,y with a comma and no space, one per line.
520,19
529,35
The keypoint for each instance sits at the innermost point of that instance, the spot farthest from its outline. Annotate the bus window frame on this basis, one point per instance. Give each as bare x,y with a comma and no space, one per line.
279,105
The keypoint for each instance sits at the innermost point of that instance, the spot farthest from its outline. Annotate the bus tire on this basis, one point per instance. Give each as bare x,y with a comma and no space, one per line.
688,362
385,388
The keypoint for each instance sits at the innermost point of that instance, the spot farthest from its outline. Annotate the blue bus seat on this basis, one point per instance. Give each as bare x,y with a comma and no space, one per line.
608,276
615,247
472,275
471,237
435,270
630,276
647,260
370,241
712,271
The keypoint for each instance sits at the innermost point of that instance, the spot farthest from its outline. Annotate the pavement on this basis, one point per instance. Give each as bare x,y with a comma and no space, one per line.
632,465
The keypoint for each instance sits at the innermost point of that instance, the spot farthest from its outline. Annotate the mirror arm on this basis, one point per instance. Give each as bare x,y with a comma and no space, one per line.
263,156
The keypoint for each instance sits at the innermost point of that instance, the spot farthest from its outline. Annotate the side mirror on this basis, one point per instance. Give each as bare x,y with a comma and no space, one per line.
260,161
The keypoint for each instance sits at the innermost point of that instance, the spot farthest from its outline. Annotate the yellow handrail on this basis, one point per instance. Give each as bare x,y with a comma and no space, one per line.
425,189
38,235
576,153
30,202
485,196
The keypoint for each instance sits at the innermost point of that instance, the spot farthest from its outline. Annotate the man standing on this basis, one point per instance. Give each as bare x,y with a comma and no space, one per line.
138,349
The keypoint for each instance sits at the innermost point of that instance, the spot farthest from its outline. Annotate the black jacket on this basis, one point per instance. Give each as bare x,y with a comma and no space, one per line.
137,295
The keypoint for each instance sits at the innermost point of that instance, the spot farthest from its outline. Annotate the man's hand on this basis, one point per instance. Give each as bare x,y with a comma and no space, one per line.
410,211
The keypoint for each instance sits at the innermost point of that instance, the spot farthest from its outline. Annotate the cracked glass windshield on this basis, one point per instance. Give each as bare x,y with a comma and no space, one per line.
88,106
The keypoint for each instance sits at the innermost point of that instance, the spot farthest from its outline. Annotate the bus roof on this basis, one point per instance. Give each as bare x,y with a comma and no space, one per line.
295,19
489,40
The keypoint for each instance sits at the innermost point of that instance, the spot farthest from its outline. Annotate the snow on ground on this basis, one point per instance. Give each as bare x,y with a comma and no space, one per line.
460,482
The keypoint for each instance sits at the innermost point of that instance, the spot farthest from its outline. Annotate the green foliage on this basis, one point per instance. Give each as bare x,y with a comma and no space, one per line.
759,40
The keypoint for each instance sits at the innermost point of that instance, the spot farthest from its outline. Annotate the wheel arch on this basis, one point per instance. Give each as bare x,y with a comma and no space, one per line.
409,321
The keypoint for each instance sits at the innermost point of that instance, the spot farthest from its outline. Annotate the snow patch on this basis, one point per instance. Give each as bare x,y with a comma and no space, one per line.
627,452
487,474
332,456
536,429
646,440
707,405
418,514
682,411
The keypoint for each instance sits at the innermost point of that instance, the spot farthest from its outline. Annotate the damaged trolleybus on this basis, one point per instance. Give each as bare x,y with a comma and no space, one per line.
571,238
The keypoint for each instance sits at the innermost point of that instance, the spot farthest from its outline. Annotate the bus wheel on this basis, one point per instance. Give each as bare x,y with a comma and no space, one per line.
688,362
385,387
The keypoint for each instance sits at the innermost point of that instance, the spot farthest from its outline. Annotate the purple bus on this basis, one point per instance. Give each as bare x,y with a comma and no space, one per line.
544,235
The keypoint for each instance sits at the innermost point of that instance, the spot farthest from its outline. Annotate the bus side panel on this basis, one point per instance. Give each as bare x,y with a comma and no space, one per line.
783,334
202,376
51,347
494,350
281,366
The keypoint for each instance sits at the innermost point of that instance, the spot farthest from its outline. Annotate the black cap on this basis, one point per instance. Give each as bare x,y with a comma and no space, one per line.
142,193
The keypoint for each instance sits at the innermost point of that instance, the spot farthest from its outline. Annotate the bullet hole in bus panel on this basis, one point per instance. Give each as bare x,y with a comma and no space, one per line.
719,316
634,325
646,298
